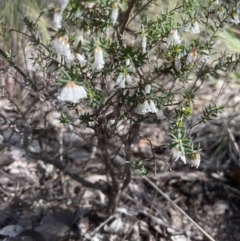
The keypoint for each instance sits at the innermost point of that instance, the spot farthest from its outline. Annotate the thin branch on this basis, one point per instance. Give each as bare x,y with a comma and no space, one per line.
225,80
133,133
126,15
13,64
177,207
102,224
144,6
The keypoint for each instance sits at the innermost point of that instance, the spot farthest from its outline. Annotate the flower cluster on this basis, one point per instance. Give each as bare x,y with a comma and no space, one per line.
122,79
147,106
193,27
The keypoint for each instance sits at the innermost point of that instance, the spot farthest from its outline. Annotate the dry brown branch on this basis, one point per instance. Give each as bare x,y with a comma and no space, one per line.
177,207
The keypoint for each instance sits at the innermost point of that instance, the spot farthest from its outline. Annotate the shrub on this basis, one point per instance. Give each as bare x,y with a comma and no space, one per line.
110,66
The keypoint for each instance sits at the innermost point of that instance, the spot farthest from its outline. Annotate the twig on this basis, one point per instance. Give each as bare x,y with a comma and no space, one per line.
133,133
235,144
126,16
196,125
144,6
102,224
13,64
129,231
61,143
177,207
225,80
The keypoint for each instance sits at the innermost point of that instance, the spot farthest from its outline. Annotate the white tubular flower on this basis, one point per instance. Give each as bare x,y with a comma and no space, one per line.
235,18
108,31
192,56
173,38
176,37
195,28
186,27
147,89
177,63
72,92
221,11
195,159
146,107
99,62
57,18
121,80
152,107
144,43
62,47
130,65
63,4
176,153
129,80
114,14
82,60
160,115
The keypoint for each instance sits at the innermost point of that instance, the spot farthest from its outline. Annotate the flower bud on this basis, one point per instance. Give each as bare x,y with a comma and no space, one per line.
114,14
